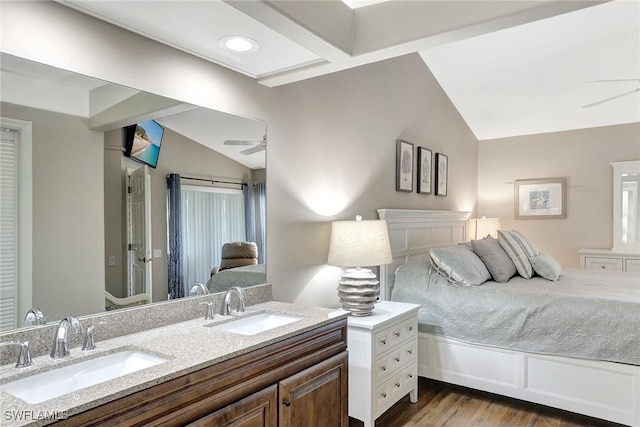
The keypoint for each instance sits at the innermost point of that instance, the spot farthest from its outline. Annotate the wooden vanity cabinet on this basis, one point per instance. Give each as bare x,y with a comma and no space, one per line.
300,381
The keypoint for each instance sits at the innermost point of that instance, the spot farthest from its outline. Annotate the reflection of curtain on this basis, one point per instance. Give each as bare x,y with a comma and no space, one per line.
211,217
174,255
255,216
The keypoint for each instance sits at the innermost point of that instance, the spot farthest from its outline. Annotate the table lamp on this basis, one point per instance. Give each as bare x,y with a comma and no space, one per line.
479,228
355,244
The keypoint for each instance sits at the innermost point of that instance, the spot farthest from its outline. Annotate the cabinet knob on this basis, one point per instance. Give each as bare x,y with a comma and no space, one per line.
410,351
396,334
286,402
383,342
411,328
384,368
410,375
384,394
397,359
398,385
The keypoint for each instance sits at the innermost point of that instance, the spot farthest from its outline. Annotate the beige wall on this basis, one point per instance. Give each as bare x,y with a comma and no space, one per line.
580,156
331,139
68,236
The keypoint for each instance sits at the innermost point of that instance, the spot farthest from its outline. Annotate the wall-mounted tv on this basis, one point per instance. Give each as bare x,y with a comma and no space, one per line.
142,142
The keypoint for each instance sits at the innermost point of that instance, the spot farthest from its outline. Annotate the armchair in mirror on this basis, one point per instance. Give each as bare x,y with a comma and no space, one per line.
90,223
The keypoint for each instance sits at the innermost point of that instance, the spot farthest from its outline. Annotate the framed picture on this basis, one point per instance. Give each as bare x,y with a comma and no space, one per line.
424,171
404,166
442,172
540,198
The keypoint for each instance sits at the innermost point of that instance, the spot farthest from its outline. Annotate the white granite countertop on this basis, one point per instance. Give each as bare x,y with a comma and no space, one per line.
187,346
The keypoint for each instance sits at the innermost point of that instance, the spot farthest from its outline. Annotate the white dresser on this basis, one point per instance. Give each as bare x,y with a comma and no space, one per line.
607,259
383,365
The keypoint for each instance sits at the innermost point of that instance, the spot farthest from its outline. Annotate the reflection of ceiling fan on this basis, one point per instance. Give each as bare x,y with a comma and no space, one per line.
616,96
259,145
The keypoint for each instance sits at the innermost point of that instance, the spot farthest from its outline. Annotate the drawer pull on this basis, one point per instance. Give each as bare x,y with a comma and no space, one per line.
286,402
411,328
398,385
397,359
384,395
396,334
383,342
384,368
410,351
410,375
603,267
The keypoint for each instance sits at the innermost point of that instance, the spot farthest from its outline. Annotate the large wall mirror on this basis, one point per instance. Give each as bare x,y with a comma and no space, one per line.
626,205
79,208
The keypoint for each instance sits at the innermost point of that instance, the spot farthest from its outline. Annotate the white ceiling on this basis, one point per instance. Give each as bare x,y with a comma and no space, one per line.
510,67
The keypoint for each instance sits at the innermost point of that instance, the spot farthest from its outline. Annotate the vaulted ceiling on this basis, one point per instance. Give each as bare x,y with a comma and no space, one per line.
509,67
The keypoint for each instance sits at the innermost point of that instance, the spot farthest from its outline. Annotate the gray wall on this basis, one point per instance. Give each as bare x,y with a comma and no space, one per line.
68,228
580,156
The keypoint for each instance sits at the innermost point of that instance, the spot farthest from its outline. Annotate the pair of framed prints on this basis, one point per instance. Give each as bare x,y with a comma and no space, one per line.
425,170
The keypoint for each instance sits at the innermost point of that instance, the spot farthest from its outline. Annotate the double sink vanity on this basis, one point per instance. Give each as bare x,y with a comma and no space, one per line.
275,364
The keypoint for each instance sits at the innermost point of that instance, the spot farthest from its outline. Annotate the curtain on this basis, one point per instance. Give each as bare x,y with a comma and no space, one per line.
255,216
174,223
211,217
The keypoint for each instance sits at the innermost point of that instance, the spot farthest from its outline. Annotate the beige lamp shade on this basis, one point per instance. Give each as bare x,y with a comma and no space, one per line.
479,228
359,243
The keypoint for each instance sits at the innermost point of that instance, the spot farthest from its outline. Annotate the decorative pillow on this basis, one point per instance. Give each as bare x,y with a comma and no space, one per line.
495,258
546,266
519,250
459,265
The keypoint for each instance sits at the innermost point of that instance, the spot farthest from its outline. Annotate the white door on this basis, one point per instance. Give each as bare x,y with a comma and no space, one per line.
140,232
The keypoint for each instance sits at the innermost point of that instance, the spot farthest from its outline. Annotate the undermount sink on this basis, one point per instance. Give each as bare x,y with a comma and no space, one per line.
56,382
252,325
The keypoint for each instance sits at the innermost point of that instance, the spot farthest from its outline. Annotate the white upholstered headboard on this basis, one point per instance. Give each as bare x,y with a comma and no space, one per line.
413,232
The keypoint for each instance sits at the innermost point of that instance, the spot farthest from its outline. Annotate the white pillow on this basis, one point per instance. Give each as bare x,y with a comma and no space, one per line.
519,250
459,265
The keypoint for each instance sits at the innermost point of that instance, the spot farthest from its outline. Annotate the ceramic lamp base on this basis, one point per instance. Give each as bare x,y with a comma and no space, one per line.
358,291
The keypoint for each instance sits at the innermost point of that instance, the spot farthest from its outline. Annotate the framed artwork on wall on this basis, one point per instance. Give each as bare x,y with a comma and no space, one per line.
404,166
544,198
424,171
442,172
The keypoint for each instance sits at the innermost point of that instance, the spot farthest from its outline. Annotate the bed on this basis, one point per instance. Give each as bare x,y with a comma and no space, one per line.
246,276
602,381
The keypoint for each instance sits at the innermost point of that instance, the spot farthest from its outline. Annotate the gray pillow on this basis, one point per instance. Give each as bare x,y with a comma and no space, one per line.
519,250
495,258
459,265
546,266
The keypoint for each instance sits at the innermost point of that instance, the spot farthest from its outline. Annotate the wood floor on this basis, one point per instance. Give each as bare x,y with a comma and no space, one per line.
441,404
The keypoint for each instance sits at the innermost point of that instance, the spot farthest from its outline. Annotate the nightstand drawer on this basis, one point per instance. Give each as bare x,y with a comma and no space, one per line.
388,338
389,364
632,265
388,393
598,263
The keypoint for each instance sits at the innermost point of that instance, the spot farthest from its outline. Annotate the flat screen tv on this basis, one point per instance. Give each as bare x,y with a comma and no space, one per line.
142,142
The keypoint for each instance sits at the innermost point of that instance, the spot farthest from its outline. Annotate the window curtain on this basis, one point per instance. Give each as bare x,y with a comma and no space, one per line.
210,218
255,216
174,219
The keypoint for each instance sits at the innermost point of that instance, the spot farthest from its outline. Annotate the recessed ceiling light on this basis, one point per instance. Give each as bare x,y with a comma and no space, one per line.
239,44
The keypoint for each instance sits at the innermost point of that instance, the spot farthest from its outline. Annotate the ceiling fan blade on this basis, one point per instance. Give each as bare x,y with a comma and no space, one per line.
615,80
252,150
239,142
611,99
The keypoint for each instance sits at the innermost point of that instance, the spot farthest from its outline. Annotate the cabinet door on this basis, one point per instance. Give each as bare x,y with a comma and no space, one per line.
317,396
256,410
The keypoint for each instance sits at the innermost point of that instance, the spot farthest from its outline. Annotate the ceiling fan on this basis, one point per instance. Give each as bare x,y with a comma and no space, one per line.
620,95
258,145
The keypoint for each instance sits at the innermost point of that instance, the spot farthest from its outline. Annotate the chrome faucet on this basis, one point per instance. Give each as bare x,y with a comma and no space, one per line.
35,316
60,347
225,310
209,315
24,358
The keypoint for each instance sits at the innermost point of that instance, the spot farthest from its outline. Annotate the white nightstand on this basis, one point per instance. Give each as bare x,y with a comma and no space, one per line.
608,259
383,366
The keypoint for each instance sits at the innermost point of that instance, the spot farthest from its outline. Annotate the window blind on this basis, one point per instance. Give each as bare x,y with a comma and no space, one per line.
8,230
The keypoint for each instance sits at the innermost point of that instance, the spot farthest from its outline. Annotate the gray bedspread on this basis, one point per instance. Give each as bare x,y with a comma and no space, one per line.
587,314
250,275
